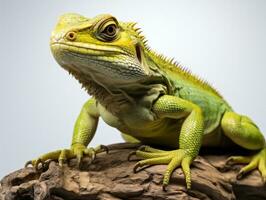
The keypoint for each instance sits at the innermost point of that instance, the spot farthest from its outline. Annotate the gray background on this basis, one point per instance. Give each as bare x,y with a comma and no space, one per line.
222,41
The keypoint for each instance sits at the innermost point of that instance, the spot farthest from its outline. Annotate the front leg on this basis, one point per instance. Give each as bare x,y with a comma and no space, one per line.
84,131
189,139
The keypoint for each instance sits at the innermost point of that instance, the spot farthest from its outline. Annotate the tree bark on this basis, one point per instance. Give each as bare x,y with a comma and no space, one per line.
111,177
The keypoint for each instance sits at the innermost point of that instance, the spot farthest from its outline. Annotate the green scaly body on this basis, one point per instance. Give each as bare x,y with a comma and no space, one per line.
149,98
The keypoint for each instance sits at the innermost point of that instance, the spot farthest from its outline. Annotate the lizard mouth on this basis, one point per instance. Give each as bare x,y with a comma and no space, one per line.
86,49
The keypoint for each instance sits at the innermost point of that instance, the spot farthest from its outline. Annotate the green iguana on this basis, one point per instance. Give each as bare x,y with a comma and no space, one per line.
150,99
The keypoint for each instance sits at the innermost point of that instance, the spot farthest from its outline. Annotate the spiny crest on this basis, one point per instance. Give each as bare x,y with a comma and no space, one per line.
177,67
138,33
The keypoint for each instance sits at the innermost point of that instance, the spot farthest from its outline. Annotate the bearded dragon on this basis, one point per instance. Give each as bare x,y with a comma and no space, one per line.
149,98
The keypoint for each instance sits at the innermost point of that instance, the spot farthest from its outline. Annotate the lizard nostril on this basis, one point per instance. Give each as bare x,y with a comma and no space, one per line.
71,35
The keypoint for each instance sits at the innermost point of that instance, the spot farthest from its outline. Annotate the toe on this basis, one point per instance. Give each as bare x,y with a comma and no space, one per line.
238,160
62,157
175,162
152,161
252,165
79,156
155,161
150,149
101,148
147,155
262,168
186,170
91,152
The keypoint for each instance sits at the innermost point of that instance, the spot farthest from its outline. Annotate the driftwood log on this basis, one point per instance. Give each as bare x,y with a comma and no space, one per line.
111,177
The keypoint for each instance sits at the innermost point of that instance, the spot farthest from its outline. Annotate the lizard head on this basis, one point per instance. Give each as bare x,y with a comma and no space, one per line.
101,49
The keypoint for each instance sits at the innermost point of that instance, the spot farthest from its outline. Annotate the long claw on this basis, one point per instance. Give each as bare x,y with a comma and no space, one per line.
28,163
142,148
101,148
229,161
137,165
79,159
164,187
38,162
105,148
239,175
133,153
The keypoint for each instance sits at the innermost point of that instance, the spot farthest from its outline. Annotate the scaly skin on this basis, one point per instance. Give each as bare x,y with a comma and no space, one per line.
149,98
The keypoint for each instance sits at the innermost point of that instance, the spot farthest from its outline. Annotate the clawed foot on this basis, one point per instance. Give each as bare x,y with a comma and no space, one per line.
174,159
256,161
62,156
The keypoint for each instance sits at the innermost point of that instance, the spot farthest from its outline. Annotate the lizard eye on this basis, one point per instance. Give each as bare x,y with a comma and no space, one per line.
108,31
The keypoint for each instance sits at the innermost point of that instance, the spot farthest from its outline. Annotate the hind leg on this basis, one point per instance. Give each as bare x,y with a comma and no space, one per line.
244,132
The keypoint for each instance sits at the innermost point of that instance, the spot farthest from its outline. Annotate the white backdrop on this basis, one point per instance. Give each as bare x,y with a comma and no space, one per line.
222,41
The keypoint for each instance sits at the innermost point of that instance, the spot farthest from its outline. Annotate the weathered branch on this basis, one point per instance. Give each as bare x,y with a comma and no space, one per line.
111,177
